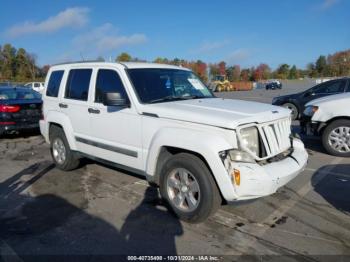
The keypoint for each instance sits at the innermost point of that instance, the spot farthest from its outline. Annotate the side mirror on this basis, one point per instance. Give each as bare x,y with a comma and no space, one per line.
115,99
309,93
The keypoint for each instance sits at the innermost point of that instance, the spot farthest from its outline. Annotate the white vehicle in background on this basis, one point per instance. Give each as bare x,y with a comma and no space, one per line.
329,117
36,86
162,122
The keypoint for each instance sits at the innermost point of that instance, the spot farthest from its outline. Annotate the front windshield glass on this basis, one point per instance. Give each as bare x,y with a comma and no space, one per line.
160,85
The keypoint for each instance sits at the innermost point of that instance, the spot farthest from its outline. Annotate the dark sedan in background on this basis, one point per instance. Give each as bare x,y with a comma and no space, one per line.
20,110
296,102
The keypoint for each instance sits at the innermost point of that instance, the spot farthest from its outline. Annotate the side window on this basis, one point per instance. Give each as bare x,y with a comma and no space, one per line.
108,81
36,85
331,87
78,84
54,83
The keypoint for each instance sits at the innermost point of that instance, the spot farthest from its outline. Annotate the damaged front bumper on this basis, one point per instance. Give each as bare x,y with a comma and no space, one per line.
258,180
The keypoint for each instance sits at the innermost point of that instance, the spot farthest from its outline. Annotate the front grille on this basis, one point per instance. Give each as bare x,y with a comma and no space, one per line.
274,137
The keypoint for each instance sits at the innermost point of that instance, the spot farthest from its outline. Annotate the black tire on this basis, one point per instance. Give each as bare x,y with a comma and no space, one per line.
71,160
326,133
294,109
210,198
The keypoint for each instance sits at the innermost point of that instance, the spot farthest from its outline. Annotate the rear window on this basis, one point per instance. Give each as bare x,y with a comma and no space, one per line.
54,83
78,84
13,94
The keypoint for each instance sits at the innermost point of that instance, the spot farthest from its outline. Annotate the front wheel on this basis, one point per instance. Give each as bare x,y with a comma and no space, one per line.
336,138
189,188
293,108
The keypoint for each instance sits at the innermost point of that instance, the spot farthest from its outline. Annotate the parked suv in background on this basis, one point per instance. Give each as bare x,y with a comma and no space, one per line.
296,102
37,86
329,117
162,122
273,84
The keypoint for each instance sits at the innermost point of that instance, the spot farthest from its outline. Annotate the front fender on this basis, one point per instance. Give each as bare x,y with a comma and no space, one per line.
206,144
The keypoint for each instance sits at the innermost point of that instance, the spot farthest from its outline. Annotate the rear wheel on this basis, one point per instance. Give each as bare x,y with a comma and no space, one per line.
336,138
293,108
64,158
189,188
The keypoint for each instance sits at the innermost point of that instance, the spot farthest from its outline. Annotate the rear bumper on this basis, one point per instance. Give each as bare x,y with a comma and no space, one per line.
258,181
6,129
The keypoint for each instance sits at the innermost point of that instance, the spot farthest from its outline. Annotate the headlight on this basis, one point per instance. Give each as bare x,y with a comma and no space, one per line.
240,156
250,139
310,110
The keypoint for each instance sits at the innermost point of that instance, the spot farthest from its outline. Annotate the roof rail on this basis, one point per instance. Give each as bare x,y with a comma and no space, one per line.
82,62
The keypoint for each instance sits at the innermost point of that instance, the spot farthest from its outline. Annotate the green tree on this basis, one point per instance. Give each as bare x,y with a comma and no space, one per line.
23,66
246,74
311,70
321,65
293,73
123,57
161,60
9,61
282,71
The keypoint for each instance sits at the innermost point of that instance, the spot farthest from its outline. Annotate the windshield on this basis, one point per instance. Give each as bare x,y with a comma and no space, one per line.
160,85
14,93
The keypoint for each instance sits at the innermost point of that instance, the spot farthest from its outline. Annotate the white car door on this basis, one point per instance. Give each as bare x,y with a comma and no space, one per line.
116,131
74,103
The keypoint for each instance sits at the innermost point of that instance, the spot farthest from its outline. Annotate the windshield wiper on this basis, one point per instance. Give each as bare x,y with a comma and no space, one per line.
194,97
166,98
176,98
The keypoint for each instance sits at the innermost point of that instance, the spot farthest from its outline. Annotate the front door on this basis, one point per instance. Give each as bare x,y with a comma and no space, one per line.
116,131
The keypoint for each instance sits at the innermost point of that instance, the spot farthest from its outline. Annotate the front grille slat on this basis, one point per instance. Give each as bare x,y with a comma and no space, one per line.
271,138
264,139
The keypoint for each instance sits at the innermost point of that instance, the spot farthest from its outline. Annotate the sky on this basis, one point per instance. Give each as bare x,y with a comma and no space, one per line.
244,32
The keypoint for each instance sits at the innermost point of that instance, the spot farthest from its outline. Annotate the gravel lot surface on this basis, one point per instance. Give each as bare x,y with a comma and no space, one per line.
99,210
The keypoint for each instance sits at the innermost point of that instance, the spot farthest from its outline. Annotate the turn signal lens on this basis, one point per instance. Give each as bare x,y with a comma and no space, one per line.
236,176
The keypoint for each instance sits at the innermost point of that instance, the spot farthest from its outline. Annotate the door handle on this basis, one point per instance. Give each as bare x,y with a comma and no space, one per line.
62,105
93,111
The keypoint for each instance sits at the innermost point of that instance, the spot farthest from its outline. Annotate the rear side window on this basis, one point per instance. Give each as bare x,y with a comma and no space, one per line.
331,87
108,81
78,84
54,83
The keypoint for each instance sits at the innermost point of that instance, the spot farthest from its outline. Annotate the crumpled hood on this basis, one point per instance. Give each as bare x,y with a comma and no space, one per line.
226,113
331,98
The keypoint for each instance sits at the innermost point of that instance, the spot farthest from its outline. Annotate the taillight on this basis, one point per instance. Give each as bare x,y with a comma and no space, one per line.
9,108
7,123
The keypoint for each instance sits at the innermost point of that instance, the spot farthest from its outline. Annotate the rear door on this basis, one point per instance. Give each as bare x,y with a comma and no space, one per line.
116,131
74,102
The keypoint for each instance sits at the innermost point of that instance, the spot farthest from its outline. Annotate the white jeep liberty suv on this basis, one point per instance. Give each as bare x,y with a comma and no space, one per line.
162,122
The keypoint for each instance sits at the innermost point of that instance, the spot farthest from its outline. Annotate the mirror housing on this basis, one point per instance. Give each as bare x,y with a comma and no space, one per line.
115,99
309,93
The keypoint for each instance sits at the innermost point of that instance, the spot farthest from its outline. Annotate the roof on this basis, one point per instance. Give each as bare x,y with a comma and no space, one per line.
129,65
133,65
